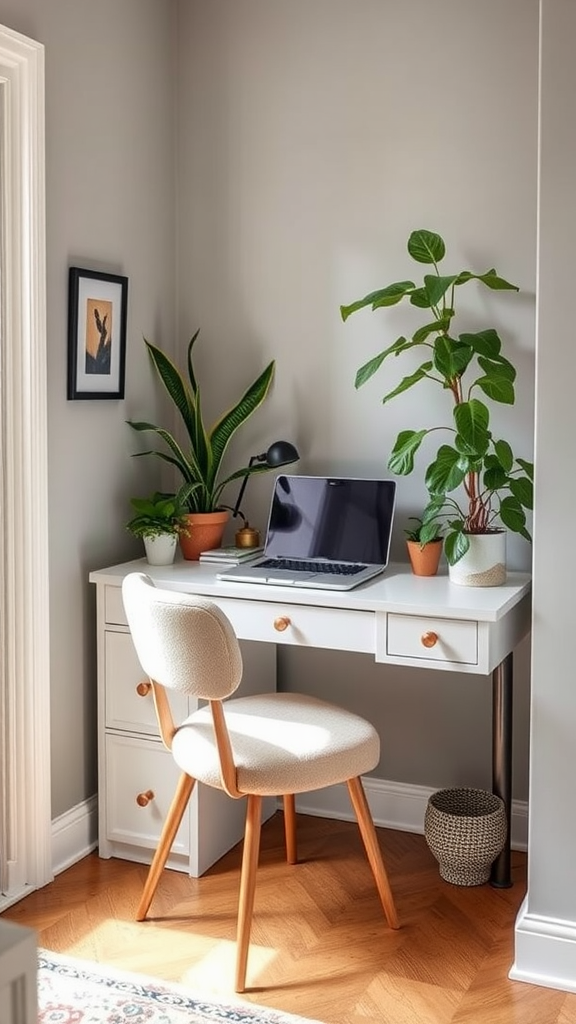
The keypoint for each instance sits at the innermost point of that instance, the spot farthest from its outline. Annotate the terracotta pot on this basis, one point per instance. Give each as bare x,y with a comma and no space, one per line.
424,560
205,531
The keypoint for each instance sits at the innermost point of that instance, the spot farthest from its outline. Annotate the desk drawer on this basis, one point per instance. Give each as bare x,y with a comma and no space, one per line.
408,636
301,625
141,770
129,701
114,613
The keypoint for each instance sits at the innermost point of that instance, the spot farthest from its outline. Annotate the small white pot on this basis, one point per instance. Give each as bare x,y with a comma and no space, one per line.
484,564
160,550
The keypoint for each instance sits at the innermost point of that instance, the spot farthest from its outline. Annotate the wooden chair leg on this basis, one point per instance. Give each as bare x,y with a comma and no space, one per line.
370,840
169,830
247,886
290,828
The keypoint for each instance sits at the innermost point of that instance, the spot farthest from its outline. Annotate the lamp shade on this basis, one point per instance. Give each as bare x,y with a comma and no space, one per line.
281,453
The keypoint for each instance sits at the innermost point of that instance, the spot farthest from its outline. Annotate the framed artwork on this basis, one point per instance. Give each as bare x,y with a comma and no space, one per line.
97,313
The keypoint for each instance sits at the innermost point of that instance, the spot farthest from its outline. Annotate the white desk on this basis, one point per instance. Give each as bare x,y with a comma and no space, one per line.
400,618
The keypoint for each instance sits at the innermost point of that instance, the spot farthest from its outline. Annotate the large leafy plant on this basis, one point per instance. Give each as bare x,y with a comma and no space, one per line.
493,487
199,459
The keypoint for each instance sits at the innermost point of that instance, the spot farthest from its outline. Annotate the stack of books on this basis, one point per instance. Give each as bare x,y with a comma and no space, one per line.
231,555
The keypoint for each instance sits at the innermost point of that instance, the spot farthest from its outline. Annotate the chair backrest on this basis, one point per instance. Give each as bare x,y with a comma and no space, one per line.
184,642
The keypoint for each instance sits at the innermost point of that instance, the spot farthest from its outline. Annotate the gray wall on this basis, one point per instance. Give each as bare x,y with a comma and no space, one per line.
313,137
110,206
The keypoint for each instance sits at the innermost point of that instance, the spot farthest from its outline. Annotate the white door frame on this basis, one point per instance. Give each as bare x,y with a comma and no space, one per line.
25,810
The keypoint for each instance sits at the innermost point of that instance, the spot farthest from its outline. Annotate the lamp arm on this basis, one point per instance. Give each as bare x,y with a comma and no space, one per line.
236,510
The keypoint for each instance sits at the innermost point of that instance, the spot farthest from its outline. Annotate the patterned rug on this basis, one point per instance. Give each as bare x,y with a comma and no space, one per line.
76,992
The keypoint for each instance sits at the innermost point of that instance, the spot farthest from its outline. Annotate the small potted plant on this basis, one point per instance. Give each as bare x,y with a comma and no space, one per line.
424,542
199,460
160,520
478,487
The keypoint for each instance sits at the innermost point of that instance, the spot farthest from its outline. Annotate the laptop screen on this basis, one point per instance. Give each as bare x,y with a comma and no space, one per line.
343,519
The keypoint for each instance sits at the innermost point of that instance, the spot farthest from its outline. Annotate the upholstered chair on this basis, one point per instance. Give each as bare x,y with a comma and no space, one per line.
273,744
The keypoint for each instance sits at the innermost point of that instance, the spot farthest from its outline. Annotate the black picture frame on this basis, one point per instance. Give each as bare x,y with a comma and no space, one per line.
97,317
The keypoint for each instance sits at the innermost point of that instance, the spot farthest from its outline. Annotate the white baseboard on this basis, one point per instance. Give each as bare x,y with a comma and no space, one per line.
74,834
394,805
545,951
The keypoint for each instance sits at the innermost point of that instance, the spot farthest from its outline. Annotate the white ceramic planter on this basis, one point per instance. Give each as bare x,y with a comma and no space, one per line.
161,550
484,564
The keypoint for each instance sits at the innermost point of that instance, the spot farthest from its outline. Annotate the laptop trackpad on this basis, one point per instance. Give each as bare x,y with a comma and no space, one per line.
286,576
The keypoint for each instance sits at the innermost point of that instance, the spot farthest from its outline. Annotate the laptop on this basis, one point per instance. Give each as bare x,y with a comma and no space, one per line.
330,533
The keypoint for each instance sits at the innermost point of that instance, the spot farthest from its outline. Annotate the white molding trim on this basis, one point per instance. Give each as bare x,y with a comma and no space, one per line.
394,805
25,664
546,948
74,834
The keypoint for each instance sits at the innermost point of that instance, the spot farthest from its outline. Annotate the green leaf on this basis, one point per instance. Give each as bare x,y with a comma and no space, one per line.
419,298
499,368
485,343
224,429
472,421
374,364
451,357
426,247
456,544
434,506
392,294
408,382
191,373
495,477
523,490
434,328
174,384
491,280
504,454
178,459
436,287
447,471
498,387
407,443
429,532
388,296
512,514
528,468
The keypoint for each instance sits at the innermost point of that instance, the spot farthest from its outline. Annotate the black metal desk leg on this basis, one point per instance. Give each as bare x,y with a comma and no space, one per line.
502,680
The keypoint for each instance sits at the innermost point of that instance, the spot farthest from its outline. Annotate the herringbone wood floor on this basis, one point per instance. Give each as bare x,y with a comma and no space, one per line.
320,944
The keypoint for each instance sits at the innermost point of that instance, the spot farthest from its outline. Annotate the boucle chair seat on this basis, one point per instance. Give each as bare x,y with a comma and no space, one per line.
282,743
273,744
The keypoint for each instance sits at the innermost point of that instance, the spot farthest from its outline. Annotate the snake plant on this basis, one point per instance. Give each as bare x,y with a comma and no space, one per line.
495,484
199,459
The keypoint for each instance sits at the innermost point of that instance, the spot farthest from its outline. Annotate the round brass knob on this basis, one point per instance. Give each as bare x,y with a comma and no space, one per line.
281,623
143,689
143,799
429,639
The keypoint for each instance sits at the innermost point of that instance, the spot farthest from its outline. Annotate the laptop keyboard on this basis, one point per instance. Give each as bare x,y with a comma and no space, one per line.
334,568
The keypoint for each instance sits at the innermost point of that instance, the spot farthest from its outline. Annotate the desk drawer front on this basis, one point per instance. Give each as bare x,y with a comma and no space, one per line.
442,640
301,625
114,606
141,770
129,700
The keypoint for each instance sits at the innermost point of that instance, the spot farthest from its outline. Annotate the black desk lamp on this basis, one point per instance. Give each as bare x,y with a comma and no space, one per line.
281,453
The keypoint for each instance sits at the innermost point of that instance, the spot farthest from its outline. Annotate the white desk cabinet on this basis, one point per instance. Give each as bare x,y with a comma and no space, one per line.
137,775
402,619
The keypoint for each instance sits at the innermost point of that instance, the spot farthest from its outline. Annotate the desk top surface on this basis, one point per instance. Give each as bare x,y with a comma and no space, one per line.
396,590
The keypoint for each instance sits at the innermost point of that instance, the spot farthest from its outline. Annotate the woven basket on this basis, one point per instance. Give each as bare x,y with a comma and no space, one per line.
465,829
